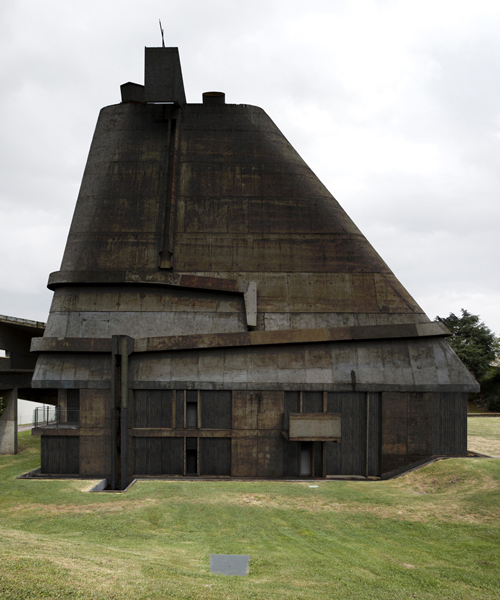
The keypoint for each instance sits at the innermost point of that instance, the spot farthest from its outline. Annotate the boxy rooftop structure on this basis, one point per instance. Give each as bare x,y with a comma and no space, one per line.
217,313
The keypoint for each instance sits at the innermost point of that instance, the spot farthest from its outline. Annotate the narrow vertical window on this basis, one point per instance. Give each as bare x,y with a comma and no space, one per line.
191,456
192,412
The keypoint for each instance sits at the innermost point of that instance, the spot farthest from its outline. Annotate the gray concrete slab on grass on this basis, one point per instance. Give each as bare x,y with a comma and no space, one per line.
229,564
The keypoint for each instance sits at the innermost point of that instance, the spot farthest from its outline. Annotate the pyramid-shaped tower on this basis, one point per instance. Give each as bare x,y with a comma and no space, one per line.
217,313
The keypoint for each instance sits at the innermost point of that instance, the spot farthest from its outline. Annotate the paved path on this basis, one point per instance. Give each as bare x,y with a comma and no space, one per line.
24,427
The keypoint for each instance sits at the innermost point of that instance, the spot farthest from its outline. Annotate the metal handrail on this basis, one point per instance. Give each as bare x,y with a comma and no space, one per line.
54,416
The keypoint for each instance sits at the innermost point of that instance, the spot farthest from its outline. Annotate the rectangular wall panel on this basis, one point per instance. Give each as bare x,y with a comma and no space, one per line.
216,409
353,439
419,424
179,409
153,408
215,456
244,457
291,405
348,457
95,455
270,414
270,457
449,431
334,450
60,455
374,434
291,456
95,408
158,456
312,402
245,410
395,423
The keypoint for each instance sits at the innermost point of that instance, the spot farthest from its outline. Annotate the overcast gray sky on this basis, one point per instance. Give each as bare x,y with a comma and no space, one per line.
395,105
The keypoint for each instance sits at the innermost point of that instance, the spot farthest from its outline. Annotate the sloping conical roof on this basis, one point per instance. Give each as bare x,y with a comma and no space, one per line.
216,190
199,220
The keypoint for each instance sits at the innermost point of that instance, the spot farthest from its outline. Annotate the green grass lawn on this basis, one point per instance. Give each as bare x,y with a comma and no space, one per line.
433,533
483,435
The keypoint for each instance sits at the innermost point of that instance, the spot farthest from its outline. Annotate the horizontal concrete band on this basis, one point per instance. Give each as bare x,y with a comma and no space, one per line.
105,384
19,378
214,284
107,277
246,338
169,432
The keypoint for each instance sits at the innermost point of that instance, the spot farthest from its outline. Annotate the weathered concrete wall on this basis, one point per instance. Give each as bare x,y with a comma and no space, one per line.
8,423
424,364
419,365
249,433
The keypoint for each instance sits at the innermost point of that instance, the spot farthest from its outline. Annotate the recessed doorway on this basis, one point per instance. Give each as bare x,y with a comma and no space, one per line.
306,459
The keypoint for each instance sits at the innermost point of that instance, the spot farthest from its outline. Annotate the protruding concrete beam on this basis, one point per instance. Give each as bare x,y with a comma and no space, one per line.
8,423
247,338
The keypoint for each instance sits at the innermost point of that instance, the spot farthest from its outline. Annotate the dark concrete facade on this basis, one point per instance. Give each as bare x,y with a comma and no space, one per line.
210,288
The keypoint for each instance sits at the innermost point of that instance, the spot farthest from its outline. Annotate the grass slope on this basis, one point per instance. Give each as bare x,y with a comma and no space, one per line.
483,435
433,533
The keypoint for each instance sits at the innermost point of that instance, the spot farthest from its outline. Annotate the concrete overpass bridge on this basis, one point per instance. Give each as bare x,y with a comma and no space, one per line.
16,372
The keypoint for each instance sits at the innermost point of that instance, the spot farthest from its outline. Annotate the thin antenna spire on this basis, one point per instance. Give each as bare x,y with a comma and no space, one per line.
162,38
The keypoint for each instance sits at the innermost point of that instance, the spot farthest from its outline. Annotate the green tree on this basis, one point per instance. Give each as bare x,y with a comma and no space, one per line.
3,405
475,344
490,389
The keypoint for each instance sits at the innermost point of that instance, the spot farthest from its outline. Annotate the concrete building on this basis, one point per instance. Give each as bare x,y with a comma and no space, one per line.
217,313
16,371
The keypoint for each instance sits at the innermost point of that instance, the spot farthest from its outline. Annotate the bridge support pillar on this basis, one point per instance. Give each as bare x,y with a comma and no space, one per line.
8,423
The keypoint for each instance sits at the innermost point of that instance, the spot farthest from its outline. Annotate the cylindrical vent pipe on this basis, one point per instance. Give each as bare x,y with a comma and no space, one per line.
213,98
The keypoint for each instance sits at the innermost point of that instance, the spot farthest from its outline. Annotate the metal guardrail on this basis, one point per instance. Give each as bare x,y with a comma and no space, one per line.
54,416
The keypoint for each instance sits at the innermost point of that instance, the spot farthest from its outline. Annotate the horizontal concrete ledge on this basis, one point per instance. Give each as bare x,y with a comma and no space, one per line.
168,432
71,431
205,433
341,386
217,284
246,338
214,284
67,384
64,431
15,379
85,345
